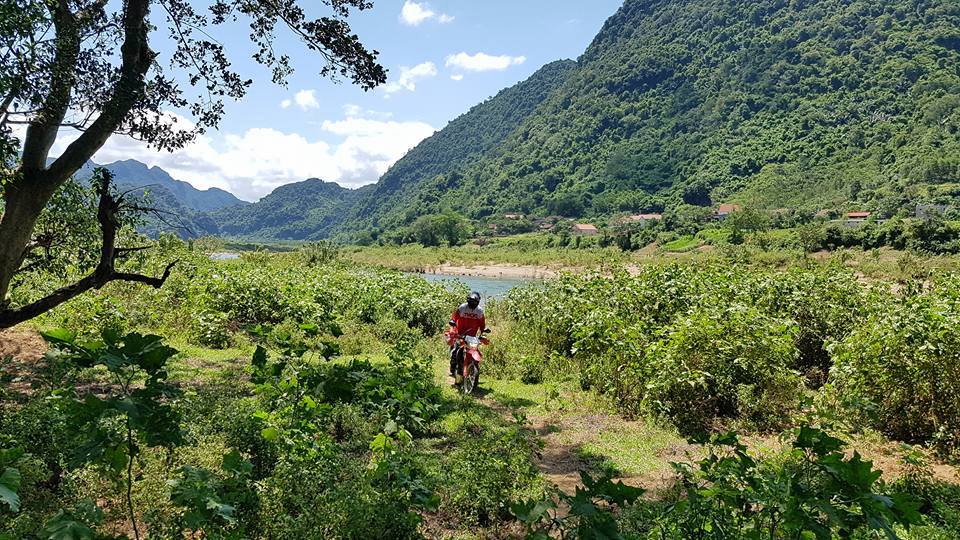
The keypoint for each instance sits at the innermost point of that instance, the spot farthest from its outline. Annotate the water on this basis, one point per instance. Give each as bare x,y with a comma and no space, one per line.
488,287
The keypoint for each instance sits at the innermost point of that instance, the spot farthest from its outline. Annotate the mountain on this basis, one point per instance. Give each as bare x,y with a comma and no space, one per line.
181,208
135,174
773,103
419,174
174,216
806,104
300,211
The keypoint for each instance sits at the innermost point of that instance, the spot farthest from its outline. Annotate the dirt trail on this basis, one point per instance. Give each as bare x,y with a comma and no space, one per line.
21,344
21,353
564,435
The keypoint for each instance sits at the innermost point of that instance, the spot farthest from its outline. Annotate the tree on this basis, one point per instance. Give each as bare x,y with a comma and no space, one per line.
745,221
60,67
431,230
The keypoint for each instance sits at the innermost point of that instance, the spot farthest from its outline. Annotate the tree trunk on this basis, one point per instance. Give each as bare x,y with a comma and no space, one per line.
23,202
27,193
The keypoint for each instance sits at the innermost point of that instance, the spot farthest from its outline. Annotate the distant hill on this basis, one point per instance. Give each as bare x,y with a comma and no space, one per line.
175,217
300,211
134,173
182,208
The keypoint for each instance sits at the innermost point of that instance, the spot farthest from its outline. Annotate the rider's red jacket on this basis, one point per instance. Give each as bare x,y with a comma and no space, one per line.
469,321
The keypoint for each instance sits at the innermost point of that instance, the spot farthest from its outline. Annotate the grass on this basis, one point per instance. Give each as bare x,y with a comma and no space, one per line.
633,449
199,365
682,244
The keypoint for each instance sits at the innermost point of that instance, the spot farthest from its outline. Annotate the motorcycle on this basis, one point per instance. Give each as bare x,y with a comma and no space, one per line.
465,359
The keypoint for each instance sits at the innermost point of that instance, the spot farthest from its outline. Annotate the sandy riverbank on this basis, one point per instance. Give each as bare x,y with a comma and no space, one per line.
507,271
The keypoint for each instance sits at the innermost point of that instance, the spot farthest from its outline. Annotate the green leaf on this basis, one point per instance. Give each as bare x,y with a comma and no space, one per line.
270,434
259,357
59,336
66,526
233,462
10,497
817,440
310,329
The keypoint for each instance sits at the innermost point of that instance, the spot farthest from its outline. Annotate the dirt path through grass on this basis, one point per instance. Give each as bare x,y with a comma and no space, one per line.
578,433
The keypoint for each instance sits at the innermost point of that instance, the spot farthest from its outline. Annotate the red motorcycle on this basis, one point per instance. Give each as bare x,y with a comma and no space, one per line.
465,359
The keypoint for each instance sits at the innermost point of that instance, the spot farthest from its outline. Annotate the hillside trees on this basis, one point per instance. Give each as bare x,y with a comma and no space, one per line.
801,105
61,67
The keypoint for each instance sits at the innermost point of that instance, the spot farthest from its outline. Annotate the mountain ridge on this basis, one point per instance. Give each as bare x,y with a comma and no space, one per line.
137,174
678,105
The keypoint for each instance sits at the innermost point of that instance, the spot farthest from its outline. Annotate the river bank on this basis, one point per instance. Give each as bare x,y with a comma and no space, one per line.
503,271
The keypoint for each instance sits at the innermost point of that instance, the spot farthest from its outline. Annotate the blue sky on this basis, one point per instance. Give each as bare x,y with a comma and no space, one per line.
443,57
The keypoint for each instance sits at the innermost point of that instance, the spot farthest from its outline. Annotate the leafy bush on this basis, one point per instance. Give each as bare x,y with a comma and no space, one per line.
212,330
734,363
939,501
814,490
902,364
487,471
661,341
589,515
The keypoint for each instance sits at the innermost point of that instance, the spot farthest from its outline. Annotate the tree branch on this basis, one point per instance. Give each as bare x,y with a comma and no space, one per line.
104,273
42,132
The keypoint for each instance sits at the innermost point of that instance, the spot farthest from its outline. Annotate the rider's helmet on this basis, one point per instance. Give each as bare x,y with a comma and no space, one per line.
473,299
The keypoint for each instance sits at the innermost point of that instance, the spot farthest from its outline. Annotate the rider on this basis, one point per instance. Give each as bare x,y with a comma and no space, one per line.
467,320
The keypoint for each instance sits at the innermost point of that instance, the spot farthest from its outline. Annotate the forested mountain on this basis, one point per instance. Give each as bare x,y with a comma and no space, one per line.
135,174
180,208
467,138
299,211
772,103
804,104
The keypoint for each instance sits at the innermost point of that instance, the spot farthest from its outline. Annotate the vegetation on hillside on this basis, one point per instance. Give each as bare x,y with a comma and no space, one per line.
678,105
299,211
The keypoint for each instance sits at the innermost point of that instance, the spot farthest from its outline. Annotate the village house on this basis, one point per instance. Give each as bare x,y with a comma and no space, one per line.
585,229
513,216
645,220
856,219
726,209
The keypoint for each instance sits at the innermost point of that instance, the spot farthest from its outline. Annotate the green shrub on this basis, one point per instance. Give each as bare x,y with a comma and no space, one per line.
901,366
485,472
213,330
939,501
812,490
733,364
331,497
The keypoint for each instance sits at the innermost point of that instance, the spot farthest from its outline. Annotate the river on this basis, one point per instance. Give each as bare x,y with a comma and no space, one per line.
488,287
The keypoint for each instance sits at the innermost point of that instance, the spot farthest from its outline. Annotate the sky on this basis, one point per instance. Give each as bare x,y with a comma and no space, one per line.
442,57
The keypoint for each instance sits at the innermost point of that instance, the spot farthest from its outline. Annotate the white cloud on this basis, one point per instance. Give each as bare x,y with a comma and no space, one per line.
306,99
351,110
457,77
415,13
285,104
483,62
253,163
409,76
